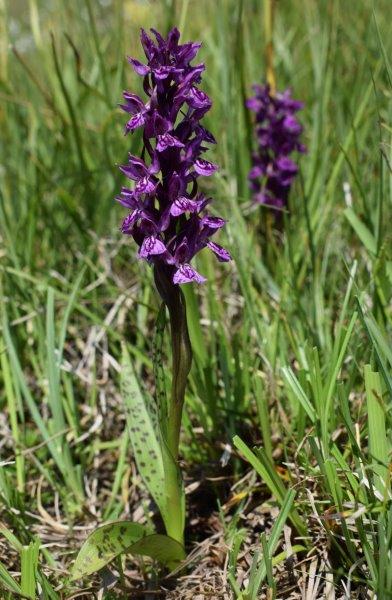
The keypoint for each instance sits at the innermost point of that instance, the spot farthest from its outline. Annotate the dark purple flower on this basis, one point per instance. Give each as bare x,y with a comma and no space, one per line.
168,217
278,136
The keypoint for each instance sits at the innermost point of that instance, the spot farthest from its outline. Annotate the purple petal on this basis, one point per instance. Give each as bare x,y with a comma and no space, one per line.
204,167
287,103
172,39
154,166
187,52
134,122
262,198
207,135
213,222
151,246
137,162
186,274
256,171
162,72
128,171
291,125
193,149
202,201
135,169
127,198
156,125
148,45
174,185
164,220
145,186
182,205
222,254
159,38
138,66
198,99
166,141
182,253
286,164
253,104
133,103
129,221
192,76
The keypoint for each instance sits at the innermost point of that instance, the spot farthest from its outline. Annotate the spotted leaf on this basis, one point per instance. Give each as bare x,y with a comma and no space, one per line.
142,421
112,539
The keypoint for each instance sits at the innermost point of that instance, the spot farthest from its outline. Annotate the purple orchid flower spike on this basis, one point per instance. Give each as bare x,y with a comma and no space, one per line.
168,216
167,213
278,136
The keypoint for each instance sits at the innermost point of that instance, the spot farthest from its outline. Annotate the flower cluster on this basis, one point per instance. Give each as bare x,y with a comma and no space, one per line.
278,135
168,217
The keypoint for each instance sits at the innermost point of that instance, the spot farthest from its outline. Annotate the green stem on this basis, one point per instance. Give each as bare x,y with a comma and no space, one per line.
173,297
98,50
269,10
174,518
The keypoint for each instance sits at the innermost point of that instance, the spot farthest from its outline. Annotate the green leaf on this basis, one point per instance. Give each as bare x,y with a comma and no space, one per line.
29,563
379,343
299,393
143,436
58,425
361,230
113,539
378,441
269,547
266,470
161,548
104,544
8,581
194,326
20,379
154,461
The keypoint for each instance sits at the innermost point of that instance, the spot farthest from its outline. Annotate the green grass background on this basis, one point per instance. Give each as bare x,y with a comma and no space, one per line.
292,341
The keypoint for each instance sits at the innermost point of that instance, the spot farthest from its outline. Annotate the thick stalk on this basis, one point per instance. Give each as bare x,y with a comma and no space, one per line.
269,10
173,297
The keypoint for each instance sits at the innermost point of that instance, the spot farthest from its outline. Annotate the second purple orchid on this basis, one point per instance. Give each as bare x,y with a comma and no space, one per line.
168,217
278,134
